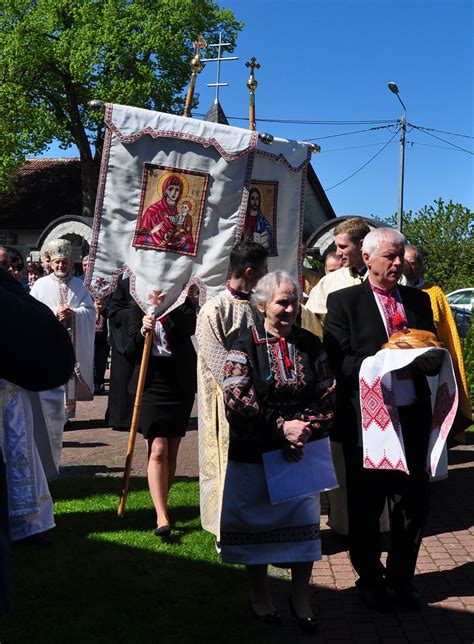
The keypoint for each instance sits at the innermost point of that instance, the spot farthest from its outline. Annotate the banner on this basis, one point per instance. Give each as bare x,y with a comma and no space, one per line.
175,194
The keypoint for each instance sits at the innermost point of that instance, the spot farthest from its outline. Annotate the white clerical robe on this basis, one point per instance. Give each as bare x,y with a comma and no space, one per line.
221,320
32,449
55,292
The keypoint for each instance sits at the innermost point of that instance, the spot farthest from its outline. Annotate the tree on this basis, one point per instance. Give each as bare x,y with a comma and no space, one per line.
57,55
444,232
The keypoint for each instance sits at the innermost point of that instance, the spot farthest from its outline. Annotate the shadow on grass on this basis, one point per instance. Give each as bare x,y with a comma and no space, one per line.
110,580
107,579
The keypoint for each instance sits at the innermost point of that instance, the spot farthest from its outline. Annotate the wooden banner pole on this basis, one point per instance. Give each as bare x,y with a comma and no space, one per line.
133,428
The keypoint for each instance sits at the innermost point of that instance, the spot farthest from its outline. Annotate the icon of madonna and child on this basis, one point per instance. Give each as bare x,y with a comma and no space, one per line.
172,223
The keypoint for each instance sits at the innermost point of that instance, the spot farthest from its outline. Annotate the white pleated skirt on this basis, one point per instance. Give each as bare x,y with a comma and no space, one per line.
255,532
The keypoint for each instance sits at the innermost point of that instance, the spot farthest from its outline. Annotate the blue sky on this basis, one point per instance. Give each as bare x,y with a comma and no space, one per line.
331,61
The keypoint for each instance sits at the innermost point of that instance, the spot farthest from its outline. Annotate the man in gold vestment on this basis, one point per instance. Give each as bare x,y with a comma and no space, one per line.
221,320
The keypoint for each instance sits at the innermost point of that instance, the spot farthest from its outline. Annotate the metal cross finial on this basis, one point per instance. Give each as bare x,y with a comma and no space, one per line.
218,59
196,67
252,63
252,85
201,43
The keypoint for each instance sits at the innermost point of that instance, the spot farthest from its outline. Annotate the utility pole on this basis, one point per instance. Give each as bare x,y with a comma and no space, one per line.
401,180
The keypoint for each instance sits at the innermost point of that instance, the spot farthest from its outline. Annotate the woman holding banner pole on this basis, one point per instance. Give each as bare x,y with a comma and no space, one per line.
279,396
168,396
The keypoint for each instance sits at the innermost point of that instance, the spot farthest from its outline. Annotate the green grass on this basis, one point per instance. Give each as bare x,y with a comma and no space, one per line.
107,579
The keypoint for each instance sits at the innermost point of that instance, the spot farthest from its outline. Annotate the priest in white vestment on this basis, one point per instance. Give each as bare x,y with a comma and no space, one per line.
69,300
220,322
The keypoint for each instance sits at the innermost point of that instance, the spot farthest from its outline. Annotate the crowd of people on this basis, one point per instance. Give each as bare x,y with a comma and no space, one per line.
273,375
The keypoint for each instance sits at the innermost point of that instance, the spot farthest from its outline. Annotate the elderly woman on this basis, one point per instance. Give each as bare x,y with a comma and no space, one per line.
279,395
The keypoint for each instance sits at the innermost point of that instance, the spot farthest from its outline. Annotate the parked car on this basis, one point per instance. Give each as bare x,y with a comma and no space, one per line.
461,302
462,298
463,320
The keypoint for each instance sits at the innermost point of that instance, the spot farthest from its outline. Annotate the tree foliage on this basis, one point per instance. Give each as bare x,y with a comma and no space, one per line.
444,232
57,55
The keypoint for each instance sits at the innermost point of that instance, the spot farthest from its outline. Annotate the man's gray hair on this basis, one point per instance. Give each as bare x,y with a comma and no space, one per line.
268,284
376,236
413,248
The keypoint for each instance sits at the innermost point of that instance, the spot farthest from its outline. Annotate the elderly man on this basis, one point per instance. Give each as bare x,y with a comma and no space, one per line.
349,236
221,320
359,321
447,333
68,299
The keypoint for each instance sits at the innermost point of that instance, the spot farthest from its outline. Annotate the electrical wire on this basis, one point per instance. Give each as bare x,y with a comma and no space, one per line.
332,136
302,122
432,129
354,147
365,164
440,139
429,145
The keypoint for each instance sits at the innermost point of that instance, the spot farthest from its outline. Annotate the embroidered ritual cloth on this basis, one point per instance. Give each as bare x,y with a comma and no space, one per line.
382,439
220,322
54,291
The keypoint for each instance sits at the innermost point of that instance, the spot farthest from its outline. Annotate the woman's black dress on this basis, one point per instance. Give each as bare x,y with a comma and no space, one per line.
170,383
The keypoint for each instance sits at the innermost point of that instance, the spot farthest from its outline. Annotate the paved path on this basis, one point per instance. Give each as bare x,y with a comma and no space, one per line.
445,571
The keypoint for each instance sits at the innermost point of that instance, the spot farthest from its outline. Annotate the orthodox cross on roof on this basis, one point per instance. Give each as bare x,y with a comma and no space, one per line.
218,59
196,67
252,85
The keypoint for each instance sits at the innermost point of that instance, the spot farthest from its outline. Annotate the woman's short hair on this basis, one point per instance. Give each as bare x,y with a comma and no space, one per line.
376,236
268,284
35,267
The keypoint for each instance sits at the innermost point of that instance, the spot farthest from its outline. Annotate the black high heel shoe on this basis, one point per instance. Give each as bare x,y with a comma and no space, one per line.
305,624
272,619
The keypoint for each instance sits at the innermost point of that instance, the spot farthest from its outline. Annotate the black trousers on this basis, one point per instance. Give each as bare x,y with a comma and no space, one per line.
408,495
5,548
101,354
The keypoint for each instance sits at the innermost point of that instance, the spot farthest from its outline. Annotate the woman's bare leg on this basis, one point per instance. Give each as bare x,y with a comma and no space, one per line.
300,576
173,447
259,595
158,477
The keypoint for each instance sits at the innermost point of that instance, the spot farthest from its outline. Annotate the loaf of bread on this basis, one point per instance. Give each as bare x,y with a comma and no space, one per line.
412,339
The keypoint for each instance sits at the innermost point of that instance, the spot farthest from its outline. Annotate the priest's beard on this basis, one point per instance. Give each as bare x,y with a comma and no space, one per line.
61,274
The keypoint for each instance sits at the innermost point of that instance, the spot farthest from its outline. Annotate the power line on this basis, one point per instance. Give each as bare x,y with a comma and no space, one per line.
302,122
363,166
440,139
429,145
432,129
332,136
355,147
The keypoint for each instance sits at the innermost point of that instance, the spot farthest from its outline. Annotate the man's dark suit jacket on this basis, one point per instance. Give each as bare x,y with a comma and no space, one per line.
354,330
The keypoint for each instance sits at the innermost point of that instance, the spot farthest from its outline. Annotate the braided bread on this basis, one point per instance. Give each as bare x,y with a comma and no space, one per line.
412,339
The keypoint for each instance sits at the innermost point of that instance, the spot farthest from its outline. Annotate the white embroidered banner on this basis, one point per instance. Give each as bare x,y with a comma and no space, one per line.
173,199
382,438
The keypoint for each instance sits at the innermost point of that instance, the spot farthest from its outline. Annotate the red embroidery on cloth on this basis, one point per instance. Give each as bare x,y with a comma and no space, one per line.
384,464
393,309
372,405
444,410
